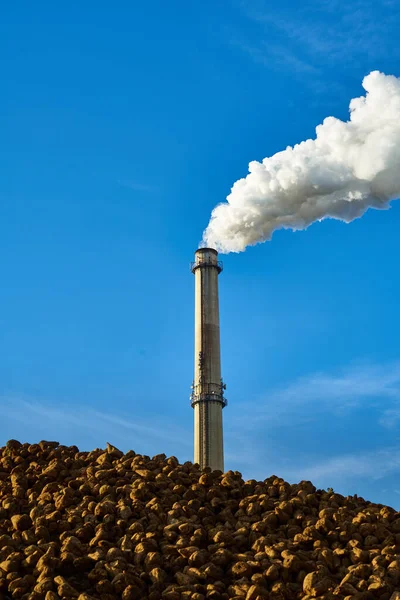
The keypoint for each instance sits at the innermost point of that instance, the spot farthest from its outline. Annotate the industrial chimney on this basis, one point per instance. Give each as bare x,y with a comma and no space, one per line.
207,397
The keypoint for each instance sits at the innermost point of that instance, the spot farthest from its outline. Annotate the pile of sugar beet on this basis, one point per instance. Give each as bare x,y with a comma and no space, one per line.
107,525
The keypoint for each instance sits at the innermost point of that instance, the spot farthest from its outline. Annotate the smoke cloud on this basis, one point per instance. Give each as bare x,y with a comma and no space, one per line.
349,167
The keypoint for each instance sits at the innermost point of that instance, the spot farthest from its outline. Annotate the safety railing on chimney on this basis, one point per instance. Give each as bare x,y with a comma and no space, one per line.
208,392
219,265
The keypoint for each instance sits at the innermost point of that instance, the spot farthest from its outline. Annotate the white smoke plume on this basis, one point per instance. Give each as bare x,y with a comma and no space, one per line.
349,167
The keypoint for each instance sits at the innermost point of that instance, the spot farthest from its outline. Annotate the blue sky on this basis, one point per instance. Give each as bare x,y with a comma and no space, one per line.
120,129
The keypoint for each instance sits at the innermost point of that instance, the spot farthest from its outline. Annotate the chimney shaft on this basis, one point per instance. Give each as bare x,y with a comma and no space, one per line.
207,397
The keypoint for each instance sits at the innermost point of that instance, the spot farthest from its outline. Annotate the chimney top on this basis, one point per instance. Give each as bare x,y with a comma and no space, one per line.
206,257
206,250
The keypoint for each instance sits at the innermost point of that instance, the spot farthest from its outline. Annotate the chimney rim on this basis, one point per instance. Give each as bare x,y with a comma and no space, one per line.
207,250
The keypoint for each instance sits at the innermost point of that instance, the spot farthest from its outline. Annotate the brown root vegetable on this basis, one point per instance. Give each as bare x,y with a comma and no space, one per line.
104,525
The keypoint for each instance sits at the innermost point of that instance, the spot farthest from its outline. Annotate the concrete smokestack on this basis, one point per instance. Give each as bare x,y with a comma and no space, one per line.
207,397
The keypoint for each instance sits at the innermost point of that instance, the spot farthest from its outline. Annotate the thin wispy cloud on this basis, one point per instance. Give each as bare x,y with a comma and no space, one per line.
136,186
330,393
161,432
348,472
315,35
333,30
274,57
284,57
391,417
373,465
63,420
